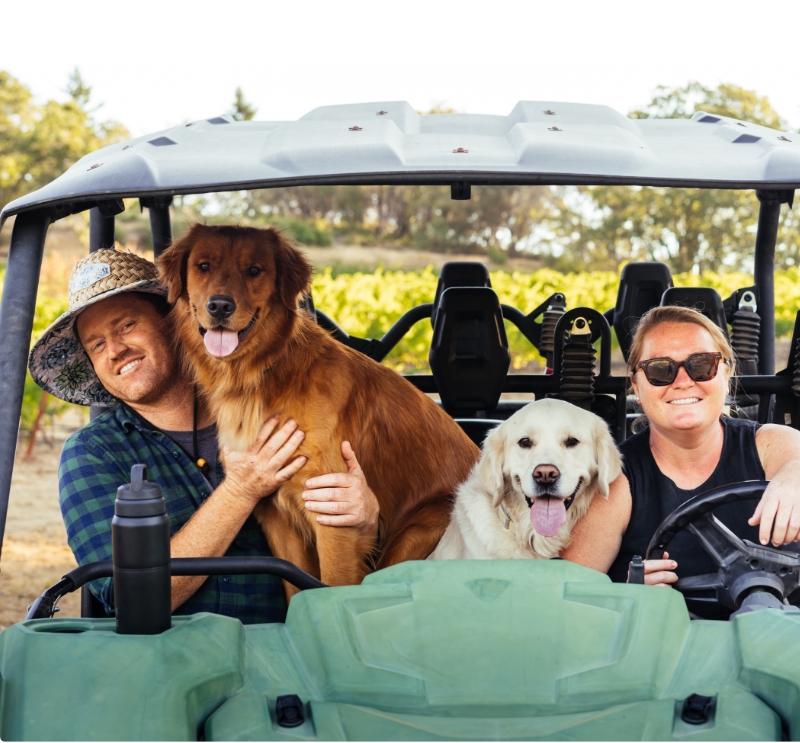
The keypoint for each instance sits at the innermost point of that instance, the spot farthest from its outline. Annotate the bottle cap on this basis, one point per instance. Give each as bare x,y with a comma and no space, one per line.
140,497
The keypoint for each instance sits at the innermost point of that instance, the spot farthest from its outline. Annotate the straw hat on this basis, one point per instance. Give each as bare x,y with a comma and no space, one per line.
57,361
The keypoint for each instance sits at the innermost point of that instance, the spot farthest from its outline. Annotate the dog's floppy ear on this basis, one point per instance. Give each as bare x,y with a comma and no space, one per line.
609,462
172,266
489,470
293,271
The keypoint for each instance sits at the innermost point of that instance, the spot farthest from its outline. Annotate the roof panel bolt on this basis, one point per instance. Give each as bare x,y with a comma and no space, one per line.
460,150
553,129
96,165
354,129
550,113
784,139
382,113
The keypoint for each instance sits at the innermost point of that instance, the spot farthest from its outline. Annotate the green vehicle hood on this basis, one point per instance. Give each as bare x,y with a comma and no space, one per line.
422,651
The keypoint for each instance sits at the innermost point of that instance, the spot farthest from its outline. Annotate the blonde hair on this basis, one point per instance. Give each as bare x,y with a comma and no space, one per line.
675,314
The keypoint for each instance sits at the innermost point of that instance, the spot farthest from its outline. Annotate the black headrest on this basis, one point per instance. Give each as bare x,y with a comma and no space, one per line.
702,298
469,356
459,273
641,287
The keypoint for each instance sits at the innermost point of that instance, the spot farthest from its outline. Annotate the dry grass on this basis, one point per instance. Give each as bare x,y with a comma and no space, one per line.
35,551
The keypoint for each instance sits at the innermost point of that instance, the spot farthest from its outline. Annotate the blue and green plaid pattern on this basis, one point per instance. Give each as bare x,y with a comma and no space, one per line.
97,459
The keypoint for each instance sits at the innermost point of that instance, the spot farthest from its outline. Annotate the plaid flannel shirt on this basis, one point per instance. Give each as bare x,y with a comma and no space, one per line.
97,459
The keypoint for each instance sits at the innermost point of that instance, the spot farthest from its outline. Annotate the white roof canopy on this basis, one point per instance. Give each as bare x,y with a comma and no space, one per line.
539,142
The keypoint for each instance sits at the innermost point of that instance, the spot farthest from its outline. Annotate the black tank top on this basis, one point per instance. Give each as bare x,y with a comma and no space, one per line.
655,496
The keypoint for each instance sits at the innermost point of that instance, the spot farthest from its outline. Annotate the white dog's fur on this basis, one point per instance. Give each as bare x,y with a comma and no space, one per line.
504,476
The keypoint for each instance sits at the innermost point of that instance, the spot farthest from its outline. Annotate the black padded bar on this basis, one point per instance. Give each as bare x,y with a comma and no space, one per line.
245,566
75,579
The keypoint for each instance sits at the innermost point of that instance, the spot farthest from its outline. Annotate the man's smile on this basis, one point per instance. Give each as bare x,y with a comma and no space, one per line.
130,365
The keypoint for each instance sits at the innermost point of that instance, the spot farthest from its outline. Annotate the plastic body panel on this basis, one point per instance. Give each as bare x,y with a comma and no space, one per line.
76,679
423,650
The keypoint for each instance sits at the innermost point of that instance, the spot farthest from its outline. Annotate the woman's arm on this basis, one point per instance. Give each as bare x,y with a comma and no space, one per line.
597,536
778,511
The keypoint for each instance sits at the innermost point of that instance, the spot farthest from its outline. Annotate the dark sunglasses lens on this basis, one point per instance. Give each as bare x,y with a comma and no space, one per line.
661,371
702,367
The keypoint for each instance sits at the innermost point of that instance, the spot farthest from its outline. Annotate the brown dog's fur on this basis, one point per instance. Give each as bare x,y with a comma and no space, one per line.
412,453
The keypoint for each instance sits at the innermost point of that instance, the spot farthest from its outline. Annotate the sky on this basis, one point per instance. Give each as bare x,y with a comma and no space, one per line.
153,65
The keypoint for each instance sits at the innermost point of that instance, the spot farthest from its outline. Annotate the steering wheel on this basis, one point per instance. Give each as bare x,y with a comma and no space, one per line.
763,576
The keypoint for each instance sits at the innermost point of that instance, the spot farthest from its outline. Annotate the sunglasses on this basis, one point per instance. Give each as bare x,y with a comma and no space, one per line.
701,367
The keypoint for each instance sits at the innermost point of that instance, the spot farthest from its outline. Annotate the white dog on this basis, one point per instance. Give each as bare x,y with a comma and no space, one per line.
537,475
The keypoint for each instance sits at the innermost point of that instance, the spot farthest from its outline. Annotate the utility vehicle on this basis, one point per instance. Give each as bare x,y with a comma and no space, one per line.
440,650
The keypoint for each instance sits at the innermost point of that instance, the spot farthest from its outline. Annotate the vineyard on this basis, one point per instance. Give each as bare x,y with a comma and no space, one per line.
367,304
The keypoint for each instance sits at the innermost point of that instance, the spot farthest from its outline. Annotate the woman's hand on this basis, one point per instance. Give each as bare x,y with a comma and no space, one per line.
344,499
659,572
263,468
778,511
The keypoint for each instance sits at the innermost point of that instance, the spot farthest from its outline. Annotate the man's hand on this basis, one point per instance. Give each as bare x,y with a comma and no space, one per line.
263,468
659,572
344,499
778,511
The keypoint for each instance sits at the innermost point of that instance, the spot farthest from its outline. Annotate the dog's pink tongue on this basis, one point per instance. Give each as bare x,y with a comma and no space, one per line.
221,342
547,515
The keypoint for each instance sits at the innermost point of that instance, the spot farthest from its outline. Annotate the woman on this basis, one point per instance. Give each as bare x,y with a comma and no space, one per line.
680,365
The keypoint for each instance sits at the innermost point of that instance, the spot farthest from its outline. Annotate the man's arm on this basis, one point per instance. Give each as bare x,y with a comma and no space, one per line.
89,476
249,476
344,498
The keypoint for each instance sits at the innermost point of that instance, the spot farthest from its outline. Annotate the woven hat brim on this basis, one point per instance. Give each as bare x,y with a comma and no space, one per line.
58,363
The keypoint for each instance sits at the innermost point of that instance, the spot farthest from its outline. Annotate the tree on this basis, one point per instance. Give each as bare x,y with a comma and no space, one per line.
39,142
687,228
241,109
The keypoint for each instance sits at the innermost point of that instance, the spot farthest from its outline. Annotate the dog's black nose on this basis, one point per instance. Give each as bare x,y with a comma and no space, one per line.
220,306
546,474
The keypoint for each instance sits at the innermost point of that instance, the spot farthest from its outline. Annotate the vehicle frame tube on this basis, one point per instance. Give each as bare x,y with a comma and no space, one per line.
16,323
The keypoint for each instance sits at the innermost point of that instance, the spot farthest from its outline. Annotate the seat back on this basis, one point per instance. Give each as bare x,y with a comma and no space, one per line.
459,273
702,298
641,286
478,428
469,356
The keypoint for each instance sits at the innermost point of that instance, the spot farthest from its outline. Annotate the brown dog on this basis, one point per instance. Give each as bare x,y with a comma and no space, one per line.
236,291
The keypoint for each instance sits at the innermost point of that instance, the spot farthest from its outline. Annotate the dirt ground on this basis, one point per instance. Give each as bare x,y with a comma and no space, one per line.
35,551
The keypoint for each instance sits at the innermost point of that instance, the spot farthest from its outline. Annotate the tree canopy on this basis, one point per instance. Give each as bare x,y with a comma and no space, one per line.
690,229
38,142
570,228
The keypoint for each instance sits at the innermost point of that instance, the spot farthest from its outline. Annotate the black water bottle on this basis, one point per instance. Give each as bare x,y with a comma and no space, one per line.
140,553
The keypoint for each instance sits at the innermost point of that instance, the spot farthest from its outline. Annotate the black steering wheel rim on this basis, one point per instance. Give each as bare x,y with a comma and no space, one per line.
698,506
745,570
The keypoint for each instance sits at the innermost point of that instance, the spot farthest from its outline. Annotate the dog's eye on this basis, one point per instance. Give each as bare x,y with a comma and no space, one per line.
253,271
205,266
571,442
525,443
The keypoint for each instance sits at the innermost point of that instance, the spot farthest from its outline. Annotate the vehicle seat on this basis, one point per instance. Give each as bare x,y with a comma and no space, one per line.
641,286
702,298
459,273
478,428
469,356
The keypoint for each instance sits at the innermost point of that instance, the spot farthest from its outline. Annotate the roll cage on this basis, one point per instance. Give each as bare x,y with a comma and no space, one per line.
539,143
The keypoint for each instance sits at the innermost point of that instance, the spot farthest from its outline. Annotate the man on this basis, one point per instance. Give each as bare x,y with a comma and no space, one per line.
114,346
